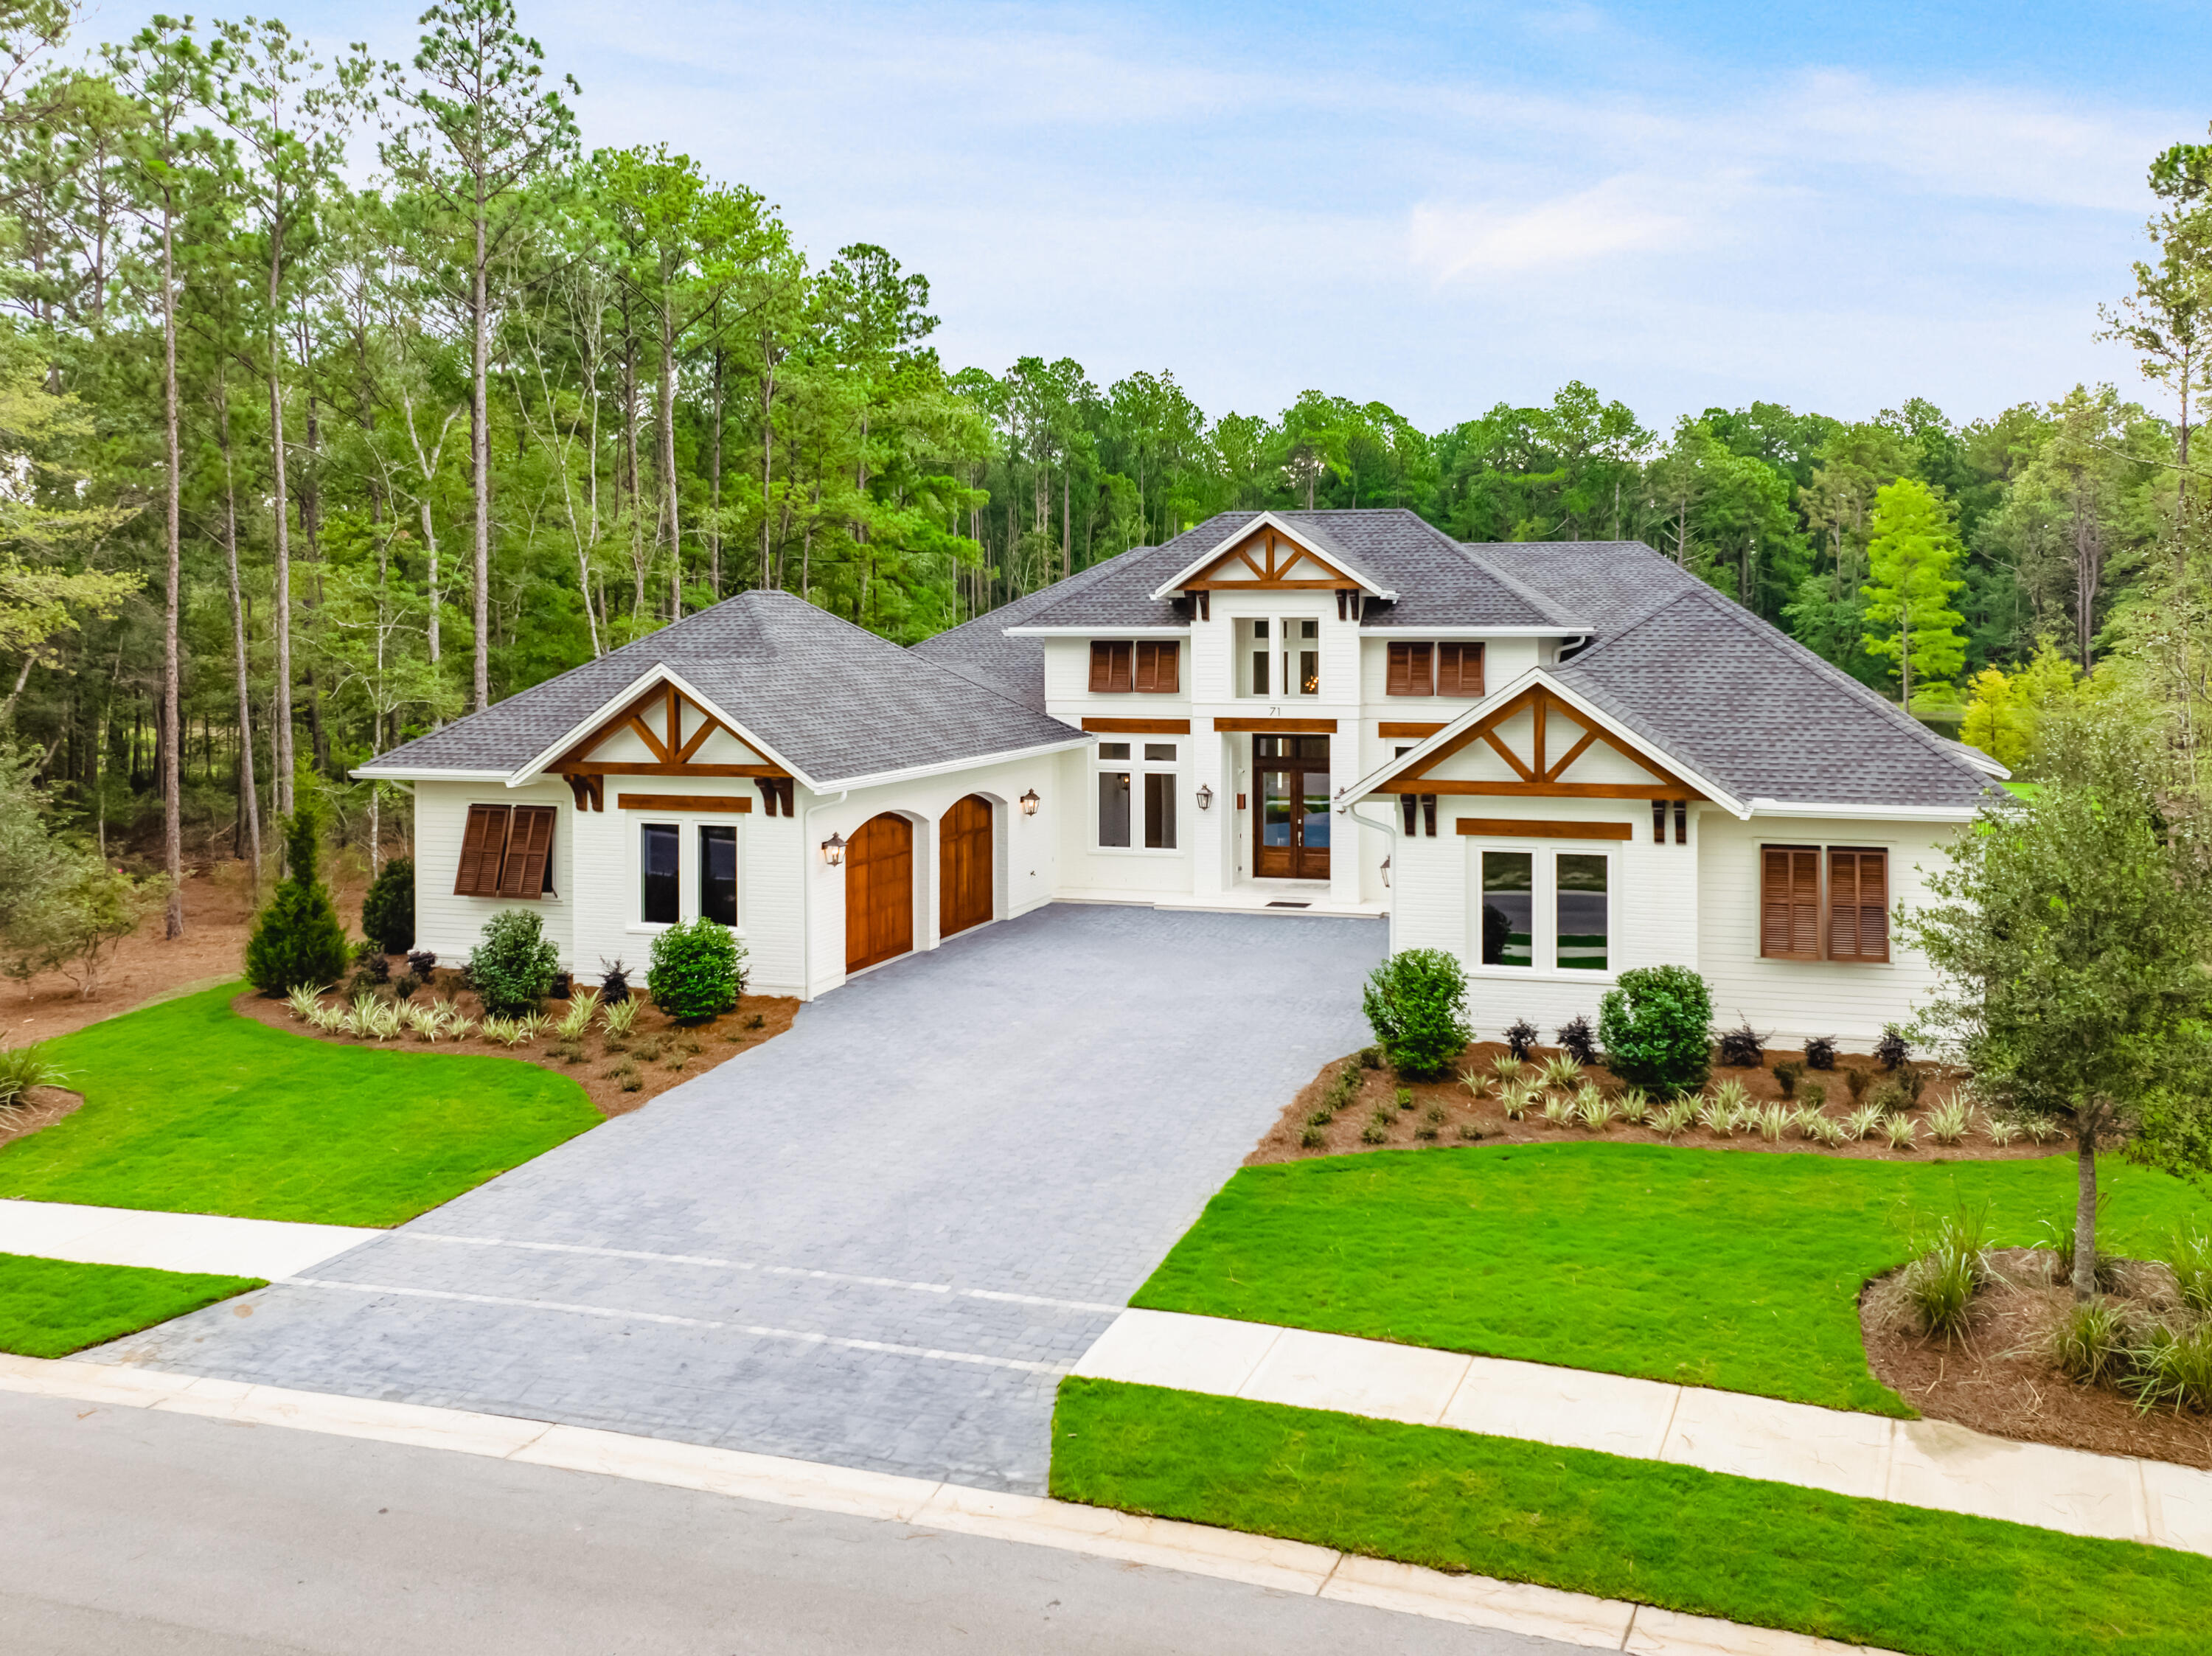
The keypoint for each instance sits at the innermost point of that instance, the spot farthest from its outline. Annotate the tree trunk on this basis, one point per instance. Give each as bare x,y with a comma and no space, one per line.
480,456
172,823
667,466
2085,1207
249,802
280,759
715,489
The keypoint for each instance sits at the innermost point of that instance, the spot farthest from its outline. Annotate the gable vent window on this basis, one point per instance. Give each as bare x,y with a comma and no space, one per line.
1817,903
1150,666
507,851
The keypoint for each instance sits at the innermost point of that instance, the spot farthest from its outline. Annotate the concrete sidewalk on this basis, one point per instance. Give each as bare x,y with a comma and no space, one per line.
1922,1463
207,1242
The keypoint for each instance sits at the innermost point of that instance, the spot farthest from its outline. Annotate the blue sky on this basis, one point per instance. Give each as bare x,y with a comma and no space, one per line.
1442,207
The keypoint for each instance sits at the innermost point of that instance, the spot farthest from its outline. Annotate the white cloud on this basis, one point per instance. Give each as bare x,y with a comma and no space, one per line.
1602,222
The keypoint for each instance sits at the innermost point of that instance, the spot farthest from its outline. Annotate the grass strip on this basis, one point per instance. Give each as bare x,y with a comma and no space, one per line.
51,1307
1731,1269
190,1109
1770,1555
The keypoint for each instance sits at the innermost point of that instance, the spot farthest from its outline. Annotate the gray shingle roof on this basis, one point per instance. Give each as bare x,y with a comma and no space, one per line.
1733,697
835,701
979,651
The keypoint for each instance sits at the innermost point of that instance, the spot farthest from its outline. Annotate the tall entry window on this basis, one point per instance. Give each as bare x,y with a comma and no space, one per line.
659,873
1292,825
1509,908
1583,916
718,874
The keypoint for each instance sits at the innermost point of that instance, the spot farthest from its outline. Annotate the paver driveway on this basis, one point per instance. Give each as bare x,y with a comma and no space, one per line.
877,1241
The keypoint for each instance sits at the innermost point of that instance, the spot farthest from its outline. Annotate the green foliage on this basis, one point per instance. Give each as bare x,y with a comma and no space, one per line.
1941,1284
2004,718
1656,1028
1416,1003
190,1109
298,939
388,907
513,966
697,970
1909,616
22,1068
51,1307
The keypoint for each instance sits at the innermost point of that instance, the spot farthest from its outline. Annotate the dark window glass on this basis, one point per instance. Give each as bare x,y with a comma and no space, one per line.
718,874
1508,906
659,853
1309,672
1113,808
1160,750
1112,750
1159,810
1582,911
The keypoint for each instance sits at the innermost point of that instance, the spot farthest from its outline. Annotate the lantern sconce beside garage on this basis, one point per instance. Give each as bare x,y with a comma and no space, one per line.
833,849
1030,802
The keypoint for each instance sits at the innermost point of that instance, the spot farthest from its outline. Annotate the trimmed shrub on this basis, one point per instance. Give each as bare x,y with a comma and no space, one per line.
1656,1028
697,970
387,908
513,963
298,942
1416,1003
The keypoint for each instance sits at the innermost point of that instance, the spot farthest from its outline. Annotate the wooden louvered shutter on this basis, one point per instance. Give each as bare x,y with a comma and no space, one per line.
1156,666
1459,670
1109,668
1858,905
1790,903
1408,673
529,848
484,847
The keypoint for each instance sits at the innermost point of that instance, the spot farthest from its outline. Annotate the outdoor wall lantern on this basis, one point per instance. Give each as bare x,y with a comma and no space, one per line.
833,849
1205,797
1030,802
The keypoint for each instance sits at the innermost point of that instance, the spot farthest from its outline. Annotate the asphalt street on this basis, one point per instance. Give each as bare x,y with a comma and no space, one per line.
138,1534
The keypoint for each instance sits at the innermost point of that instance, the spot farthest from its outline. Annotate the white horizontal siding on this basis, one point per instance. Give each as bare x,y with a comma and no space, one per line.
450,925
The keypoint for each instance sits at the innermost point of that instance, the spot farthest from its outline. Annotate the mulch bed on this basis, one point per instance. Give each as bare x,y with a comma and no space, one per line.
665,1052
1461,1110
40,1106
1994,1380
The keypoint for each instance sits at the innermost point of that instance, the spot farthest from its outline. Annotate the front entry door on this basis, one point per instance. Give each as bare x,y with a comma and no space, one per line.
1291,827
878,891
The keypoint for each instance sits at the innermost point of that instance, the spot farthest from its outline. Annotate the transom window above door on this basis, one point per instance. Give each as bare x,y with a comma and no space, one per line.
1278,657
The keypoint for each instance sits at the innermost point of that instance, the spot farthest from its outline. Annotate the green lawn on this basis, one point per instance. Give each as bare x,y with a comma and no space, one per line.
1767,1554
1729,1270
51,1307
190,1109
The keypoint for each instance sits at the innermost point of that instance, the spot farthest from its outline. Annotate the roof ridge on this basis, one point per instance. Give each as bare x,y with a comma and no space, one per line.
1542,602
1765,630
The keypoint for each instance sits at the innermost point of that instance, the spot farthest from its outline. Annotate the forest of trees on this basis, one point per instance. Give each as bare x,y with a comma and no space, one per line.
342,398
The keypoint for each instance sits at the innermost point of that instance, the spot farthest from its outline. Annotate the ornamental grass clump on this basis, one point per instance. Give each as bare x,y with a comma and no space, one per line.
1635,1106
1716,1118
1902,1131
1773,1120
617,1017
1948,1122
303,1000
1941,1284
1562,1071
576,1023
1677,1115
1592,1107
1558,1108
1416,1003
2172,1369
22,1068
1507,1067
2192,1264
1515,1098
1864,1122
1656,1028
2094,1342
513,966
697,970
298,939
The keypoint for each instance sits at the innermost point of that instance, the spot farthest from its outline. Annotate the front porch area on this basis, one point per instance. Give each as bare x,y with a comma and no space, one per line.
1245,897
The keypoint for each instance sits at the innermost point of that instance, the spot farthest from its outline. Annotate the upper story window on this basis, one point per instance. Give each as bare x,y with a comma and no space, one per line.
1152,665
1435,670
1278,657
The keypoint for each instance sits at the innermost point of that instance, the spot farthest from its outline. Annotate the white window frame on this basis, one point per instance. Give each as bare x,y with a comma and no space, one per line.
688,864
1283,650
1544,922
1139,767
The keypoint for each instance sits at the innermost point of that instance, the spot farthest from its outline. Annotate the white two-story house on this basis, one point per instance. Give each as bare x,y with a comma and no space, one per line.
1558,760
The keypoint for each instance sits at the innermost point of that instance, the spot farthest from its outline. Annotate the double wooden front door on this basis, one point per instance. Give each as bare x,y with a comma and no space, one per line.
1290,827
878,891
963,866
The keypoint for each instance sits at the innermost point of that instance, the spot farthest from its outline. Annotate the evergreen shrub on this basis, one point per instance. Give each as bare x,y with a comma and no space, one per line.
1416,1002
387,910
697,970
298,942
1656,1029
513,964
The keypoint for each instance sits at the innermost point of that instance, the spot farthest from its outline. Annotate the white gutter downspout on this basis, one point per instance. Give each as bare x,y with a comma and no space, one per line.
806,906
1390,829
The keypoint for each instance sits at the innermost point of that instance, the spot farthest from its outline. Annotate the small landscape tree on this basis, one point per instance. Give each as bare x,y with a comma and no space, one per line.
2069,933
1656,1028
299,943
1416,1002
387,908
697,970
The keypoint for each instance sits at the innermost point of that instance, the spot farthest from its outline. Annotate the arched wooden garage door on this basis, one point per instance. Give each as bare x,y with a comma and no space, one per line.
963,866
878,891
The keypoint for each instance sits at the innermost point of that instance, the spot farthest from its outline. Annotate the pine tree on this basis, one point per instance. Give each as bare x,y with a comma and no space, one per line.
298,943
1909,618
